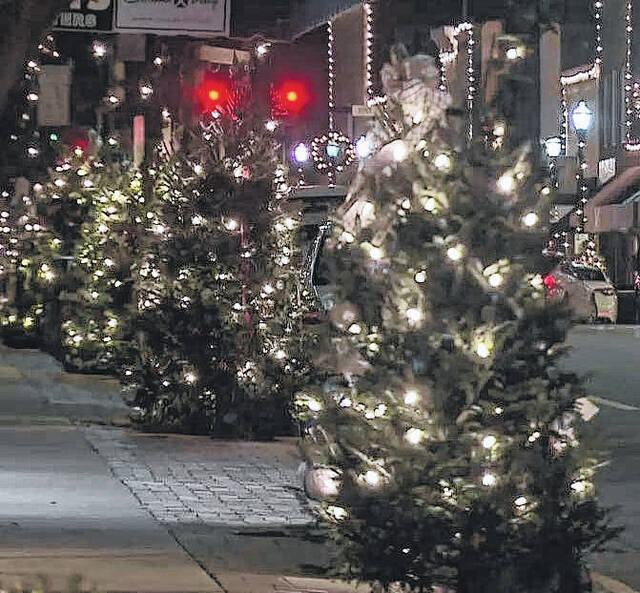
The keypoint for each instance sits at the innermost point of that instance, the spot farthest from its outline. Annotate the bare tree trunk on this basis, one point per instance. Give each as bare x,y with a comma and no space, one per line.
23,23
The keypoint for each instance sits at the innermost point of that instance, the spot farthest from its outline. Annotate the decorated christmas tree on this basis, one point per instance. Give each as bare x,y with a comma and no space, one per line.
443,432
96,316
220,346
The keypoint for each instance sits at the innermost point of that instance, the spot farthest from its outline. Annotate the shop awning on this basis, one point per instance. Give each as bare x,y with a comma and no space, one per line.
615,207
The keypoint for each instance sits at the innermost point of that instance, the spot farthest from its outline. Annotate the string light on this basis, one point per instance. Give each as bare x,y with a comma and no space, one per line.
331,88
471,79
628,87
368,51
598,8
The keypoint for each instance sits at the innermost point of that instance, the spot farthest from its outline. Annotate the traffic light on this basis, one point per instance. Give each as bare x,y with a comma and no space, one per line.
214,93
290,98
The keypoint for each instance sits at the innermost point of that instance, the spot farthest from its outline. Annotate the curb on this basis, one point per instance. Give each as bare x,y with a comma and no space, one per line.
610,585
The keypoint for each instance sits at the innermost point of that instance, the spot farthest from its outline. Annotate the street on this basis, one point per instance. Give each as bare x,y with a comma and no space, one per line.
609,354
85,495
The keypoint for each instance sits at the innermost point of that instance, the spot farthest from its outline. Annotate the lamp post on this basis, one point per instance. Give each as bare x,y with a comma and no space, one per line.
582,120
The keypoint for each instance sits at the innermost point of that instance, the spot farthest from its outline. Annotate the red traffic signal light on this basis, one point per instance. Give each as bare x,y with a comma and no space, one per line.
291,97
214,93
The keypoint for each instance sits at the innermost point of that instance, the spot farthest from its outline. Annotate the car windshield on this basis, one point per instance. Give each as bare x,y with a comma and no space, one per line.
589,274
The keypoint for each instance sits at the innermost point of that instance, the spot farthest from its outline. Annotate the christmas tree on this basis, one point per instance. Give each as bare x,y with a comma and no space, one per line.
96,328
220,347
442,430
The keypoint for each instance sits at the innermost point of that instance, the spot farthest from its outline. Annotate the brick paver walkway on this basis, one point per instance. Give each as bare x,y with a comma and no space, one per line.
181,479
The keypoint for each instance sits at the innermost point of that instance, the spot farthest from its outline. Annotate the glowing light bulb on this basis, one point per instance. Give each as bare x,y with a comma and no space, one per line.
530,219
483,350
146,91
271,125
113,322
231,224
411,397
363,147
489,479
414,436
355,329
314,405
99,49
190,378
496,280
420,277
455,253
347,237
414,315
512,53
400,151
338,513
442,162
579,486
506,183
301,153
520,501
489,441
372,478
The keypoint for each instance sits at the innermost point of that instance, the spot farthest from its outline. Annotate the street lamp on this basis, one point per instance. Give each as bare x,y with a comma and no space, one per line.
582,117
582,120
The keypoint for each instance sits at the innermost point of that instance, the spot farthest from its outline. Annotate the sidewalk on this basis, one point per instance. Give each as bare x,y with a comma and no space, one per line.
139,512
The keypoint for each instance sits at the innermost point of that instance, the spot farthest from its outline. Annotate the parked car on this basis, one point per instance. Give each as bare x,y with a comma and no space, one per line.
316,273
587,290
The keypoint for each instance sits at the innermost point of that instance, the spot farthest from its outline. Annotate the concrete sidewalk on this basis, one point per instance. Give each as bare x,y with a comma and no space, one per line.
138,512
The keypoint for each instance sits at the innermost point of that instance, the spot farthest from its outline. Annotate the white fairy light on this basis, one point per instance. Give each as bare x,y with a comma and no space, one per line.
442,162
483,350
411,397
420,277
455,253
414,315
506,183
489,479
520,501
190,378
489,441
496,280
372,478
414,436
530,219
400,151
231,224
363,147
99,49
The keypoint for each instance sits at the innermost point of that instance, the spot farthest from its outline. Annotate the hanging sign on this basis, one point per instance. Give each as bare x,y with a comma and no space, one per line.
86,15
173,17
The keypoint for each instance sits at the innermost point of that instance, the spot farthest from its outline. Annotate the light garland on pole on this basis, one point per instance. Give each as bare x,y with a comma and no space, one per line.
471,79
368,51
628,75
598,9
332,151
